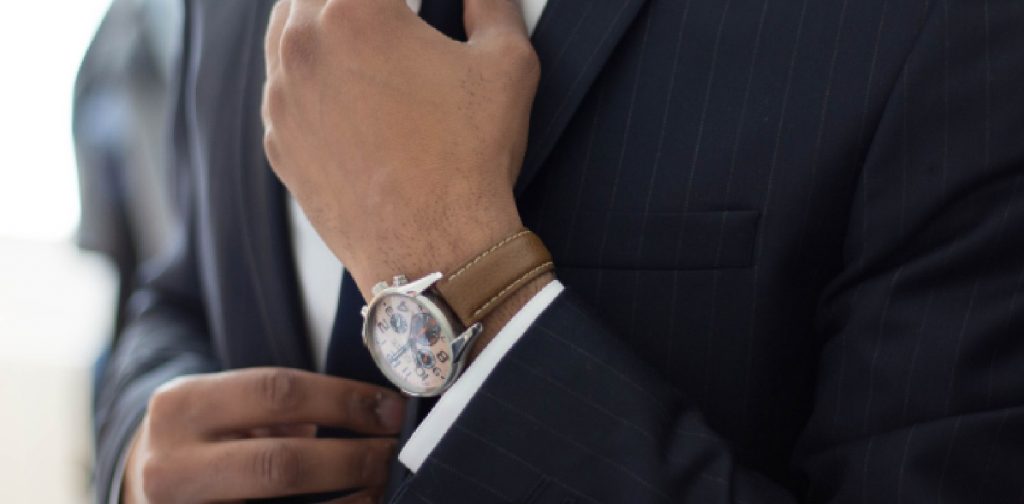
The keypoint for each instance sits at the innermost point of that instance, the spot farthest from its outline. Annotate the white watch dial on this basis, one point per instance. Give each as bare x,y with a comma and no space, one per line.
409,344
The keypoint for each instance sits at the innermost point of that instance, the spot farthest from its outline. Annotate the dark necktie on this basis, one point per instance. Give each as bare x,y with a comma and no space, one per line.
346,357
446,16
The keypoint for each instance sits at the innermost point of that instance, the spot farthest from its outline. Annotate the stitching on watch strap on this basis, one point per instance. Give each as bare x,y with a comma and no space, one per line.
488,252
514,285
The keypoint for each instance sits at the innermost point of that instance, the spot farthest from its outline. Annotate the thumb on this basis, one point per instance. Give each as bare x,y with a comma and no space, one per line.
488,18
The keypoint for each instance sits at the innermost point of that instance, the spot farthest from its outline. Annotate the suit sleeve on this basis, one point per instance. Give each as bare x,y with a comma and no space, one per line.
920,393
165,336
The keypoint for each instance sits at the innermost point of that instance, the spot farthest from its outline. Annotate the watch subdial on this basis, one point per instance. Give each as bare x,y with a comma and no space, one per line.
425,330
398,323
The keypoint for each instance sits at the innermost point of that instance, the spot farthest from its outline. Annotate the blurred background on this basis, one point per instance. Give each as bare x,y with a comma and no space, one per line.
60,282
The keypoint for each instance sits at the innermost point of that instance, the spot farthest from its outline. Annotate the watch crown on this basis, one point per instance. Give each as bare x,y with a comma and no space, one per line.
379,287
365,310
400,280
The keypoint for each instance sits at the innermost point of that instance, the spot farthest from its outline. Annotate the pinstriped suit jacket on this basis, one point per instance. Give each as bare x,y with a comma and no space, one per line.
792,234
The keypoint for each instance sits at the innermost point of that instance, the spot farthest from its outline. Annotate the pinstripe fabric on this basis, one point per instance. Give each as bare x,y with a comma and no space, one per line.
792,235
858,343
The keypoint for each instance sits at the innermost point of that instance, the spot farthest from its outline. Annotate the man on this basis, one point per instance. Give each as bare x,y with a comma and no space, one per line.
789,237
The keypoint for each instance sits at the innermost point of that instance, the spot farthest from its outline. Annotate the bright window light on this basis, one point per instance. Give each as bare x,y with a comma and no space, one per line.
41,46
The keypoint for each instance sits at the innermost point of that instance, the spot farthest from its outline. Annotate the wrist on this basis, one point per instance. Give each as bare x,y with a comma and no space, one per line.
443,249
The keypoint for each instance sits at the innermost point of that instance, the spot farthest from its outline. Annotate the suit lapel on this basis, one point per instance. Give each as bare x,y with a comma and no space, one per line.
256,309
265,214
573,40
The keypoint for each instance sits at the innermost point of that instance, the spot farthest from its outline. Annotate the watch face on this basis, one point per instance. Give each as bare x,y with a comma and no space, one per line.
409,343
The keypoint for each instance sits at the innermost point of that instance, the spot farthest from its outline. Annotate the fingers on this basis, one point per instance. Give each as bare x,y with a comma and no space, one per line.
489,18
260,468
256,398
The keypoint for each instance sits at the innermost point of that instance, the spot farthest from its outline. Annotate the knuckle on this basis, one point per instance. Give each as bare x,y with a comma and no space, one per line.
271,150
280,390
279,13
272,111
273,101
280,9
522,54
157,479
345,11
169,403
299,44
516,57
163,405
278,466
339,10
158,403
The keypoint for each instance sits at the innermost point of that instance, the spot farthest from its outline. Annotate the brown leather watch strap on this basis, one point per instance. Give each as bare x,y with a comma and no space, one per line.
479,286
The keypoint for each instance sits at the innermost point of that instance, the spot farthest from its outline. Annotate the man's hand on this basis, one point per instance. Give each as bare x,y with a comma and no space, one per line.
250,434
401,145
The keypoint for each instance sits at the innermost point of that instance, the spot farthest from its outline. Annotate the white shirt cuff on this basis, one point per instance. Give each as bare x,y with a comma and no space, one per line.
450,406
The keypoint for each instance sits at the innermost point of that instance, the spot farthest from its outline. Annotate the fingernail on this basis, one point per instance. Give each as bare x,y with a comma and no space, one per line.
390,411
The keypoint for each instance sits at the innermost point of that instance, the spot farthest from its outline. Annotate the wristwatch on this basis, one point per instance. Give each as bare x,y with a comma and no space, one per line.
419,333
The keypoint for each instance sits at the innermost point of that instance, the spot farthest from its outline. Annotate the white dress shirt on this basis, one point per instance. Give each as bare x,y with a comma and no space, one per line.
320,280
